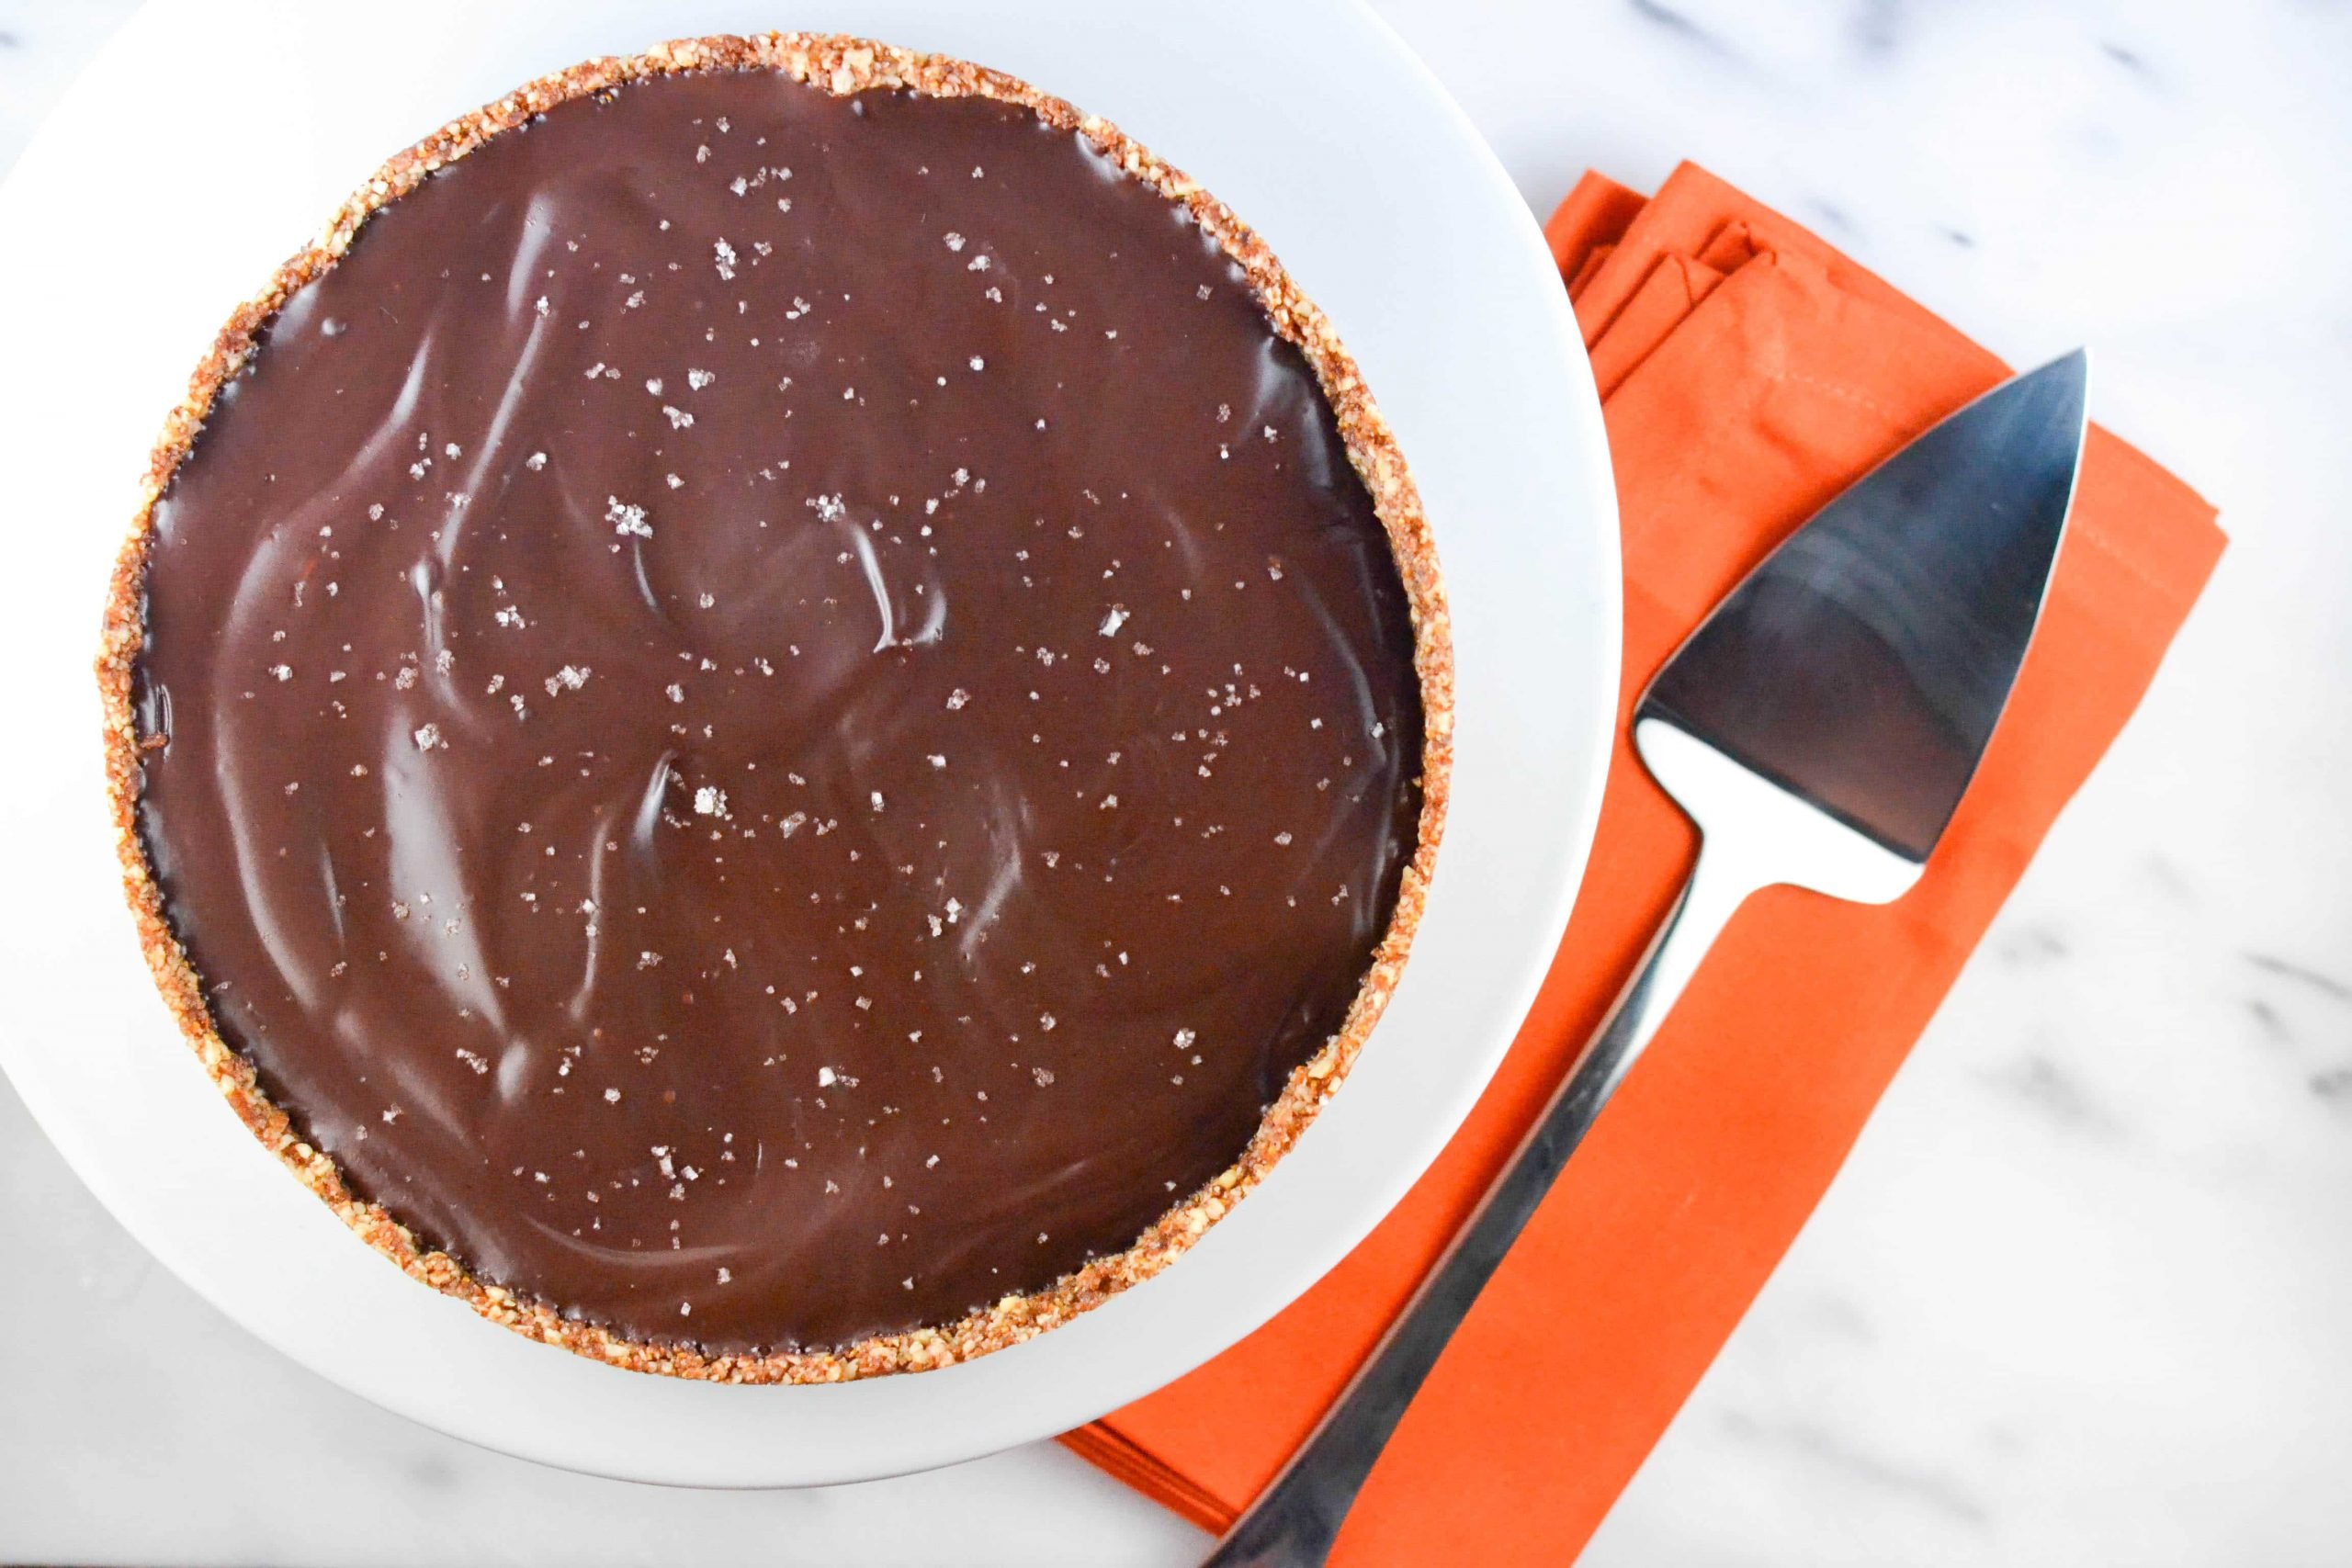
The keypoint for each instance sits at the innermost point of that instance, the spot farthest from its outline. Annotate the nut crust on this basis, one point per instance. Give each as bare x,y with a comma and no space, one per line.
841,66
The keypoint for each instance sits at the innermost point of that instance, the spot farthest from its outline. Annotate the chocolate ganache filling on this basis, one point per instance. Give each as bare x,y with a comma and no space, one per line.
777,717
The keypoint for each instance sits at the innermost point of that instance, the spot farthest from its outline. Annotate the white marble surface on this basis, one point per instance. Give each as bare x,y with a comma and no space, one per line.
2080,1295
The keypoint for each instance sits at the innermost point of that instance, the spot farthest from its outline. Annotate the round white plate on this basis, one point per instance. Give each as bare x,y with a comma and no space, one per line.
209,140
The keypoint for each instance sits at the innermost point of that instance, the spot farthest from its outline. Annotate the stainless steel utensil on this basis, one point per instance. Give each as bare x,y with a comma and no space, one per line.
1819,728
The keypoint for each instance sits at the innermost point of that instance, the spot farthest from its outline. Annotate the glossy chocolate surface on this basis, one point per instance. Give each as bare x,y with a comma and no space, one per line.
781,714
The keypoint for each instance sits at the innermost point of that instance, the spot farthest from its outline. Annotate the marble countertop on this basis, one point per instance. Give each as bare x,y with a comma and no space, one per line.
2080,1293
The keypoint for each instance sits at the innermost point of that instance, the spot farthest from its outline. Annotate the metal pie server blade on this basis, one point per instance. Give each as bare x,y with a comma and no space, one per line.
1863,666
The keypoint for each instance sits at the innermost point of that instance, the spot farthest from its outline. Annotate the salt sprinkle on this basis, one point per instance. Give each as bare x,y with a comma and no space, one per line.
626,519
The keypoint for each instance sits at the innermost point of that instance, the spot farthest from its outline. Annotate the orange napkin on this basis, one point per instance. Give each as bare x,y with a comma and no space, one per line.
1748,372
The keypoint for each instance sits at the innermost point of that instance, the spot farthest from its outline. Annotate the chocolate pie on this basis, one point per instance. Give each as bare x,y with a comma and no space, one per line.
782,715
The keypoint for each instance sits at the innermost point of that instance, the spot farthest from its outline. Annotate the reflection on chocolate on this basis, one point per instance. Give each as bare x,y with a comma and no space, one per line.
782,713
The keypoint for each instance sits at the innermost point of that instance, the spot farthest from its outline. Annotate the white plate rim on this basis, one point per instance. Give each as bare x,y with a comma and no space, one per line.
126,1117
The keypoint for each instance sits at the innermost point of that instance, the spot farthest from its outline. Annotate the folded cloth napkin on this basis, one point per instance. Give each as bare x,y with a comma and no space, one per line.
1748,372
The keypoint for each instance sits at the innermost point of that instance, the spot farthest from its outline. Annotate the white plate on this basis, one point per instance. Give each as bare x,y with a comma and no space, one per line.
210,139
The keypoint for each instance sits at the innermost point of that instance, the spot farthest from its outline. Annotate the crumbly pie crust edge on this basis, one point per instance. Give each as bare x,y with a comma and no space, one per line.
841,66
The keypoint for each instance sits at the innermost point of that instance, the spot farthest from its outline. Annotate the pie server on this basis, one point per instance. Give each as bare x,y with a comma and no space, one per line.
1819,728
